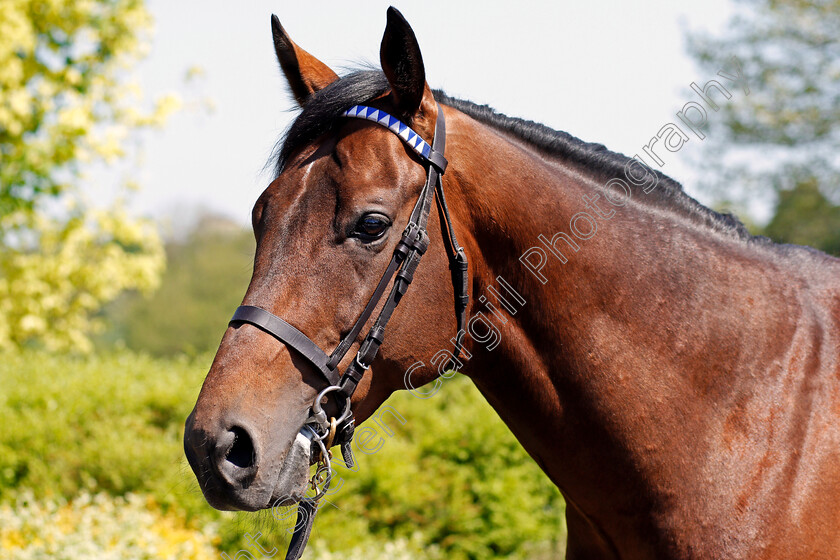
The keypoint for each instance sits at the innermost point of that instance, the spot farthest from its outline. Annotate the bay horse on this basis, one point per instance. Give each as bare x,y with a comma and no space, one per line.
677,378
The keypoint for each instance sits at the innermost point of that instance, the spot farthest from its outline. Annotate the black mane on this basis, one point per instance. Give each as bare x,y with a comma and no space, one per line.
321,113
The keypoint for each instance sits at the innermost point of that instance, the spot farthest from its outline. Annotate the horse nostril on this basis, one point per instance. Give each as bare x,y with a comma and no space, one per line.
241,453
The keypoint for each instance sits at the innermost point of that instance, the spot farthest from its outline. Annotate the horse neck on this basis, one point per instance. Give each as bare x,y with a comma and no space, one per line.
620,352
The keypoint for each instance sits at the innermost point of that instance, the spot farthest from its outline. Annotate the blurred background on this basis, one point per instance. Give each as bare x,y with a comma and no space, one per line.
133,141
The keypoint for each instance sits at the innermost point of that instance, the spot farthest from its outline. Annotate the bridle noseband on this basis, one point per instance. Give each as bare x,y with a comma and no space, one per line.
323,431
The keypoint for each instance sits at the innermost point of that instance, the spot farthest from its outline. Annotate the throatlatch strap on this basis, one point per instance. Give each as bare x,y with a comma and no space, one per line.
458,267
457,258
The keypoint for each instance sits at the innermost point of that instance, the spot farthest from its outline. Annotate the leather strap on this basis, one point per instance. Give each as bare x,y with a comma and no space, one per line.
436,157
286,333
458,267
306,511
343,346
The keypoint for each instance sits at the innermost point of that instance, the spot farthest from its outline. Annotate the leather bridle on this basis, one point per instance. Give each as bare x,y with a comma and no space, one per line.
323,431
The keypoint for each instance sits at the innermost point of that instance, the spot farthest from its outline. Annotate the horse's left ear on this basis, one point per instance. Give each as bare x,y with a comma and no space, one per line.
402,63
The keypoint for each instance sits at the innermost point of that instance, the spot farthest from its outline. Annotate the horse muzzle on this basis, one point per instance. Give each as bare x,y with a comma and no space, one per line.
236,471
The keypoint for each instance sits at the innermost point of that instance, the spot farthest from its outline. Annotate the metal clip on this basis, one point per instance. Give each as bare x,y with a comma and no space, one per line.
359,363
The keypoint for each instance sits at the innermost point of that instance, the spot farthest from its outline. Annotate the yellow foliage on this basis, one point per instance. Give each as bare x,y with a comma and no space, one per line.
98,527
60,78
51,294
65,102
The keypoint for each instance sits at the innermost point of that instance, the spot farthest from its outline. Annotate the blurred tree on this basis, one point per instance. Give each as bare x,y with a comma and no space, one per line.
805,217
785,136
207,274
65,104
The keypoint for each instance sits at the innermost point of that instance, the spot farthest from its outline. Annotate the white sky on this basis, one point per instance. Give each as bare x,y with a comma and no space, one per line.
606,71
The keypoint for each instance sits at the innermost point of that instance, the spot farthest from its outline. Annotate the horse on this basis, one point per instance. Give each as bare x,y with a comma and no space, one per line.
677,378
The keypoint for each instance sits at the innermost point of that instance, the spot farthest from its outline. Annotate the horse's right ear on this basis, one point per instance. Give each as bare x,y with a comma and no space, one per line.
305,73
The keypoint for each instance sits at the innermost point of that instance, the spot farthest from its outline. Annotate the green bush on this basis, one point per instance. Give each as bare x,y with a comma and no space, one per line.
450,481
804,216
109,423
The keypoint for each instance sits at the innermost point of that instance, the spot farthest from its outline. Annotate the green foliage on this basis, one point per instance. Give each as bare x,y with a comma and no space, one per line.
111,423
787,131
206,277
450,482
52,286
805,217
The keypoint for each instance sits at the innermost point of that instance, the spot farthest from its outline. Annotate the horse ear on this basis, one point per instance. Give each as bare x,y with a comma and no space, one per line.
402,63
305,73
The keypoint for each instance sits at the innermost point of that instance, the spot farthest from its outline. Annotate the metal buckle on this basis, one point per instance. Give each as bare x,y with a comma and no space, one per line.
359,361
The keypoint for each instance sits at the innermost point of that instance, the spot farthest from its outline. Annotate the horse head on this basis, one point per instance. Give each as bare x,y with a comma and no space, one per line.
326,229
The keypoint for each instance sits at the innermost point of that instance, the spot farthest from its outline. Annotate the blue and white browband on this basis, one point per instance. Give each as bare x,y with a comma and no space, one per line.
394,125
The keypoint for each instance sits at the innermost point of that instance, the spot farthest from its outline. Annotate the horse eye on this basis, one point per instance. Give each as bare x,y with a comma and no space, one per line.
371,227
